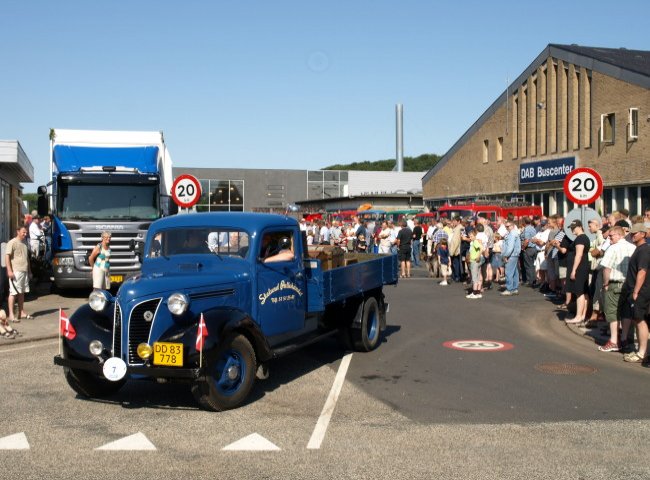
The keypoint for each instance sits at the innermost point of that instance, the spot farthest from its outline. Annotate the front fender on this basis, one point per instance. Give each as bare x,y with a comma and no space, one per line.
220,322
89,325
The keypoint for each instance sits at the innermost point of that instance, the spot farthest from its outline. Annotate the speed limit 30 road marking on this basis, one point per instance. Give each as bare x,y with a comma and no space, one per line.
478,345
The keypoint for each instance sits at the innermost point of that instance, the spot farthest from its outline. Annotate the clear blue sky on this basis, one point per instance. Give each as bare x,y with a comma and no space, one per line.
280,84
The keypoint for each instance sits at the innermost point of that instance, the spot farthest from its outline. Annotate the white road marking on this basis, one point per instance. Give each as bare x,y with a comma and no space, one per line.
137,441
253,442
320,430
17,441
34,345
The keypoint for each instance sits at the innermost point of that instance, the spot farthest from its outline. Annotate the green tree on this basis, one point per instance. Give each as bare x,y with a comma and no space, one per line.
421,163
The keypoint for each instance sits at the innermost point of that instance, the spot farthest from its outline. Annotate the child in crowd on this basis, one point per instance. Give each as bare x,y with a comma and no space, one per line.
362,246
475,257
497,261
443,260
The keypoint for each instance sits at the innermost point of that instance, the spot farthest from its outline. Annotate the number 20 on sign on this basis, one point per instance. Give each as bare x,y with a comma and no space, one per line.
583,186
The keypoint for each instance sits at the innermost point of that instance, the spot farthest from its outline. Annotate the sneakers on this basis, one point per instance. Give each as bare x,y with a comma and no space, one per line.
474,295
633,357
574,320
443,283
550,295
609,347
508,293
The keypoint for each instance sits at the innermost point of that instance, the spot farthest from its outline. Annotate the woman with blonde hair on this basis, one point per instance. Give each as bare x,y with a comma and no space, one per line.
100,261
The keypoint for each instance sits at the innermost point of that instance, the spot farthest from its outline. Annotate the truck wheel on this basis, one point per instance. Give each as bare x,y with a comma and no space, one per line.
88,385
230,375
367,337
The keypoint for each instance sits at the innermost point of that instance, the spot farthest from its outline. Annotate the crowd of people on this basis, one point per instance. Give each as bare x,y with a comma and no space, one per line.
32,240
597,270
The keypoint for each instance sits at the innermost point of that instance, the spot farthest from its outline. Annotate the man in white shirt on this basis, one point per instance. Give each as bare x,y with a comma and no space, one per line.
324,234
614,264
35,234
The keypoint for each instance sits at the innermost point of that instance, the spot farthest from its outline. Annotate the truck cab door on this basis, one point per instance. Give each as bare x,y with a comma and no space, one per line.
281,290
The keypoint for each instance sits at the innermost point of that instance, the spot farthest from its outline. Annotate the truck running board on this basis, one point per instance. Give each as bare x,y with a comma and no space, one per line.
301,342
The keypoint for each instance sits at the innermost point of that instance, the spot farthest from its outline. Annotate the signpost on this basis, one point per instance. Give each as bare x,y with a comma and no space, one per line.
186,191
582,186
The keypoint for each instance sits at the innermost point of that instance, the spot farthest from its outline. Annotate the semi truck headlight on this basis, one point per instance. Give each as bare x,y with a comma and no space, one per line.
178,303
96,348
144,351
98,300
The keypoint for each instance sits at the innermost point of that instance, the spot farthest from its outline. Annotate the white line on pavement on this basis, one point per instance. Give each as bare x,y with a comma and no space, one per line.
34,345
320,430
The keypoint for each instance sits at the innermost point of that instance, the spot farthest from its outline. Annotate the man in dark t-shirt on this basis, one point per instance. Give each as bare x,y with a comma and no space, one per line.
635,293
403,242
417,243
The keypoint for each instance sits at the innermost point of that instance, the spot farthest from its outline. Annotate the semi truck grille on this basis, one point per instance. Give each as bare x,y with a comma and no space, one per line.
140,322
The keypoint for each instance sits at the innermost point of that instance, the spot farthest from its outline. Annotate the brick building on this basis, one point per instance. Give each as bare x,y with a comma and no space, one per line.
572,107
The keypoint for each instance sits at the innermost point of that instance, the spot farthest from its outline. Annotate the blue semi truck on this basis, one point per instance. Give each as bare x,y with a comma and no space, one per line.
103,180
219,296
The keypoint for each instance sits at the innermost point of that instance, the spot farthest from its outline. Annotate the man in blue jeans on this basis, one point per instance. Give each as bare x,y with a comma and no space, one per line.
416,244
510,254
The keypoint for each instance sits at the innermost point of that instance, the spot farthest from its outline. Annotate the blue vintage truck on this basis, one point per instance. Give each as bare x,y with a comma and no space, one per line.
219,296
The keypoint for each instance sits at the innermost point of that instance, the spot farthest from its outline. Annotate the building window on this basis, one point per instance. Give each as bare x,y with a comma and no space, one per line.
634,123
607,128
499,149
486,150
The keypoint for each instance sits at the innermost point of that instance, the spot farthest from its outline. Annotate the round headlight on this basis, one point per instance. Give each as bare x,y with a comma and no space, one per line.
96,348
144,351
178,303
98,300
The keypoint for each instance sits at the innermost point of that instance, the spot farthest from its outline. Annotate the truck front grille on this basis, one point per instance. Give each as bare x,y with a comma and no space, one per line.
122,257
140,321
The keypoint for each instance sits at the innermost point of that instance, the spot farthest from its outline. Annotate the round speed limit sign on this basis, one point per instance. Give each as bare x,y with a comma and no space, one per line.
583,185
186,191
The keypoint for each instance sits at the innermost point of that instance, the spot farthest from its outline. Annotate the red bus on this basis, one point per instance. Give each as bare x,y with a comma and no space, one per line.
489,210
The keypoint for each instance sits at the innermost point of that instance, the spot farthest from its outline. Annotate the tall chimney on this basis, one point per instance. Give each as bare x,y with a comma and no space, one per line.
399,165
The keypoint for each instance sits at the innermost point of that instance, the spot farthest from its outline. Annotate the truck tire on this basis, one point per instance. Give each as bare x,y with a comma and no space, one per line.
366,338
230,375
91,386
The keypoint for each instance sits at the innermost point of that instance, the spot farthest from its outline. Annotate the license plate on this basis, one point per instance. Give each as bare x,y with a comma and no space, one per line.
168,354
117,278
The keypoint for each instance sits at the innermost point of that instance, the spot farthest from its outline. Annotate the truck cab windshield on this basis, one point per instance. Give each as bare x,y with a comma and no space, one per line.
199,241
91,202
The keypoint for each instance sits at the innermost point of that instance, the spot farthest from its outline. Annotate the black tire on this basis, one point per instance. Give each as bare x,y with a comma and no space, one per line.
367,337
88,385
230,375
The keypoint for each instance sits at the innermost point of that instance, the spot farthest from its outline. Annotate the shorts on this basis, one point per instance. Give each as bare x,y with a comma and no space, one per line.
497,261
475,269
540,261
19,284
637,310
101,279
404,254
611,301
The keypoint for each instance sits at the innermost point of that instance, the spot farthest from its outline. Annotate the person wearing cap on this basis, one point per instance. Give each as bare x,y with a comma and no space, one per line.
635,294
577,281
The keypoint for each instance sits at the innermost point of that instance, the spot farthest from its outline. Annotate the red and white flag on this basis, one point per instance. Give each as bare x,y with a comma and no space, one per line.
65,327
201,333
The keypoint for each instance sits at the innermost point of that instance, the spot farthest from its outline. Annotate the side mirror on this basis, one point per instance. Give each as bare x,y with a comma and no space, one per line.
42,203
137,246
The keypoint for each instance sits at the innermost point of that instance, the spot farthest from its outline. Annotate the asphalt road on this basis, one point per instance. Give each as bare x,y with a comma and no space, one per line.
411,409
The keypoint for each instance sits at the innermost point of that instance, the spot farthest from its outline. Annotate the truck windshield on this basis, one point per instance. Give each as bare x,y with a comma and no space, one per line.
199,241
89,202
455,213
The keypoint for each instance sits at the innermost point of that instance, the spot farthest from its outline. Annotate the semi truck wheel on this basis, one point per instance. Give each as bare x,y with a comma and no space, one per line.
367,337
229,376
88,385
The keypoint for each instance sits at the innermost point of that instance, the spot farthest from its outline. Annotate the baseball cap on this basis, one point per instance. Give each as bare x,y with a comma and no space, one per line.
622,223
638,227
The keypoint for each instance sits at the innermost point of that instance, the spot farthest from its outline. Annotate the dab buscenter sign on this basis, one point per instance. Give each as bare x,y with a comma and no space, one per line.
479,345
